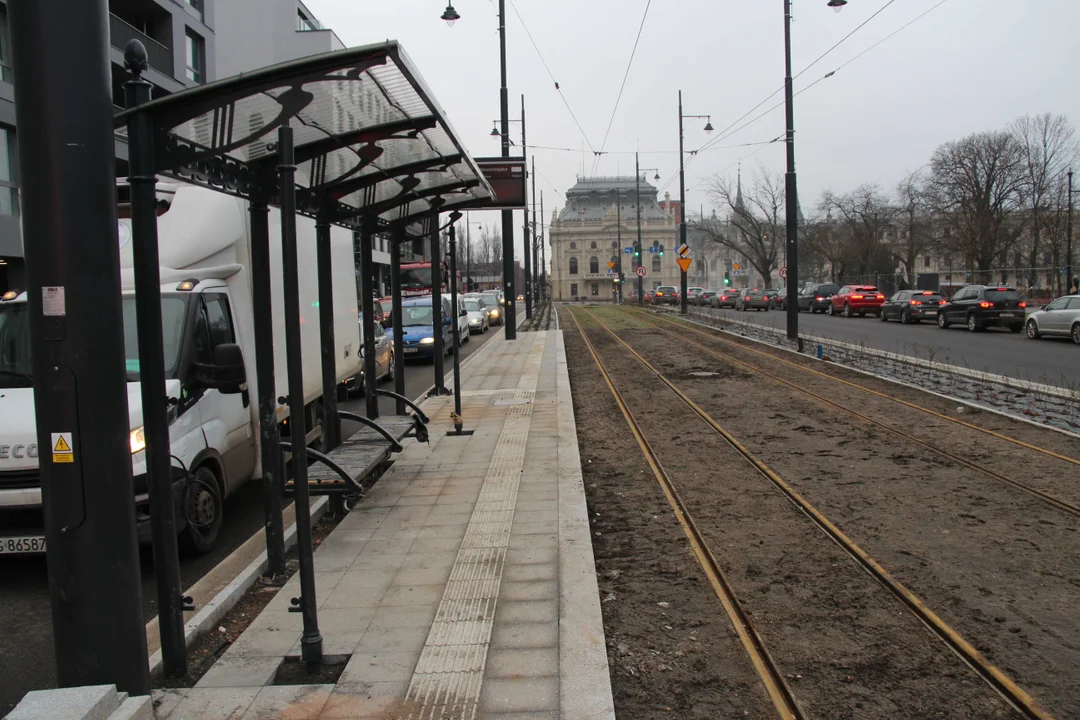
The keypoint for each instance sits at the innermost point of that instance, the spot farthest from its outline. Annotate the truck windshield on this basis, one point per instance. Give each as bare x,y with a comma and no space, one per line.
416,278
15,369
173,311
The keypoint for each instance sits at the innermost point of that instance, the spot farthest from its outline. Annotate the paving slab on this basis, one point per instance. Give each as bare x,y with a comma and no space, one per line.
463,584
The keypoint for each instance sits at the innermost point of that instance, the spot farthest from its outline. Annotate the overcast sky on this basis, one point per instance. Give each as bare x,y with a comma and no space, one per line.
968,65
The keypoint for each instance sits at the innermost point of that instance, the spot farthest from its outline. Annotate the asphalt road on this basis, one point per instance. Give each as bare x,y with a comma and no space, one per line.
997,351
26,637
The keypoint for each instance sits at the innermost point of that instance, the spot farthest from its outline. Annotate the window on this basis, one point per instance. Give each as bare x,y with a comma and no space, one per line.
573,246
926,261
1074,304
195,49
197,6
9,188
593,246
595,288
594,264
6,73
305,23
573,289
656,263
573,266
220,323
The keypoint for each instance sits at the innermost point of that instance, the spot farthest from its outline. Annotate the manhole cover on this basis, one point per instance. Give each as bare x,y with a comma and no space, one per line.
703,373
512,402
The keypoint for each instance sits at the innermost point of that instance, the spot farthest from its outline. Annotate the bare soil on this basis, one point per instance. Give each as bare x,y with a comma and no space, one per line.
999,566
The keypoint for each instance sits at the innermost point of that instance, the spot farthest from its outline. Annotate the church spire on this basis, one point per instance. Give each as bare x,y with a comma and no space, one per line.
740,206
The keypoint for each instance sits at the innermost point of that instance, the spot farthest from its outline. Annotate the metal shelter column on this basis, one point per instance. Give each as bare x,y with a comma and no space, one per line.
269,448
310,640
331,425
395,315
73,273
456,318
437,318
367,308
154,398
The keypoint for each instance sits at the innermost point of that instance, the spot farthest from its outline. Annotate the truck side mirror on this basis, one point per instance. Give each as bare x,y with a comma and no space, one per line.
226,374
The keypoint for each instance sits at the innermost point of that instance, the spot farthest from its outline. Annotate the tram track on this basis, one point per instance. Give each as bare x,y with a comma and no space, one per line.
1040,495
1004,686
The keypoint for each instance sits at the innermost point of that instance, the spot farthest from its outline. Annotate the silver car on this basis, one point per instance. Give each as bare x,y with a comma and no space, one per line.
1060,318
478,317
384,358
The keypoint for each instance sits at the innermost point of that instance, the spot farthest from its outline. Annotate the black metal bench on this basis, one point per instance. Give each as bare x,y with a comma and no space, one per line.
344,470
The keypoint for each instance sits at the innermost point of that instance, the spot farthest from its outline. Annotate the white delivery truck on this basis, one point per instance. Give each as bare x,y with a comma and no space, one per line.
206,300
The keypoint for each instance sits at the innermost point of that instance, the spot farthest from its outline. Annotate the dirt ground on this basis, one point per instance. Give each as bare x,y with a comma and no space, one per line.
1000,567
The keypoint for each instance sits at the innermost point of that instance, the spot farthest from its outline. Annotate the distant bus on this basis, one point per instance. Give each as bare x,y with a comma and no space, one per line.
416,279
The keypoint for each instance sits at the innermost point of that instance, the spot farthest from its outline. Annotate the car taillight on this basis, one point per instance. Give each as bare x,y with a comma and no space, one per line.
818,297
984,304
940,302
1022,304
880,297
916,302
856,297
765,298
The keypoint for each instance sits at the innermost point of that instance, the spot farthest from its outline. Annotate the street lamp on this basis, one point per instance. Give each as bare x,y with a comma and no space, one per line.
791,195
510,333
450,15
682,194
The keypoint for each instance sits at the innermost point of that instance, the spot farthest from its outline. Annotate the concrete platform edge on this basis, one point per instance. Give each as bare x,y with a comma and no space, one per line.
585,684
231,594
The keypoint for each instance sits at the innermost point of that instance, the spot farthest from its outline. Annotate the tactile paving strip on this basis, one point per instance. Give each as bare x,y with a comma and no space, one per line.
450,672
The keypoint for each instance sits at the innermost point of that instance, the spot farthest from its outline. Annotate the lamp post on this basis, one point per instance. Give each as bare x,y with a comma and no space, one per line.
791,195
637,207
682,193
1068,241
450,15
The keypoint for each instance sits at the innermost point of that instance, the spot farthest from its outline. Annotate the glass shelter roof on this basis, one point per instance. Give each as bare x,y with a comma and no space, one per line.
370,138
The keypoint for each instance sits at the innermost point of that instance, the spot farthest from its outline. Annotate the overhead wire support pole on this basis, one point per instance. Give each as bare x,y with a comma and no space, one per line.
525,229
637,248
791,195
509,291
154,397
682,209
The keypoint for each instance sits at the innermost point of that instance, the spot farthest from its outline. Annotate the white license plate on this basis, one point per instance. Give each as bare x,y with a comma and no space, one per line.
22,545
931,313
411,350
1008,315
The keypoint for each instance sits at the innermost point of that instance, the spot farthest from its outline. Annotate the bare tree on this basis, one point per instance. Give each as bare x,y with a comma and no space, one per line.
1055,229
1048,144
831,243
913,215
755,228
867,213
975,182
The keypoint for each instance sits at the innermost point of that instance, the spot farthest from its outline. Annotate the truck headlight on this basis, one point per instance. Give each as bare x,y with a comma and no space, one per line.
137,440
427,341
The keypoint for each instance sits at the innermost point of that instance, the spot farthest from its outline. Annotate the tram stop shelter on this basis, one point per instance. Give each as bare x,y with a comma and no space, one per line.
352,138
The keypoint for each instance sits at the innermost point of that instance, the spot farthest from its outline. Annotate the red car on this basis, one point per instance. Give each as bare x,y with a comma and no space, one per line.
855,300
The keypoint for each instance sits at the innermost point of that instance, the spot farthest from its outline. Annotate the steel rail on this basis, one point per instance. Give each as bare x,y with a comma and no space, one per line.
1002,684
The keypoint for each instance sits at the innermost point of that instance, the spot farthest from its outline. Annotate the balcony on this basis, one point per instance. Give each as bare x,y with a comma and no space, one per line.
159,56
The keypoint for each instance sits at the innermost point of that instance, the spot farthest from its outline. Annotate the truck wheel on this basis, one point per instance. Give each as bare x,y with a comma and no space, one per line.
203,512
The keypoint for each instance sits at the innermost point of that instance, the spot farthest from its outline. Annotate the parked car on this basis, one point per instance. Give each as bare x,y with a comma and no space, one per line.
911,306
778,298
815,296
705,297
477,315
647,296
1061,317
667,295
384,357
855,300
982,306
418,336
493,299
725,298
464,332
753,299
692,294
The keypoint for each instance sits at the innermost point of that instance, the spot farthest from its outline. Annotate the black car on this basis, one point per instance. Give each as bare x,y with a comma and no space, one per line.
911,306
982,306
815,297
778,299
705,297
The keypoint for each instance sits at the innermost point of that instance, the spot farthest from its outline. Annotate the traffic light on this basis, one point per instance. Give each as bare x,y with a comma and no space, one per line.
661,250
637,250
727,279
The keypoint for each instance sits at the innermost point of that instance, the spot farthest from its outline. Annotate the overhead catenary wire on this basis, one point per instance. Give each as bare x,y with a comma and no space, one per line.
724,134
622,87
558,89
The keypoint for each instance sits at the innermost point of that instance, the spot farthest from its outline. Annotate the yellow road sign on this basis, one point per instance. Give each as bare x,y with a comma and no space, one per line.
610,264
684,263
